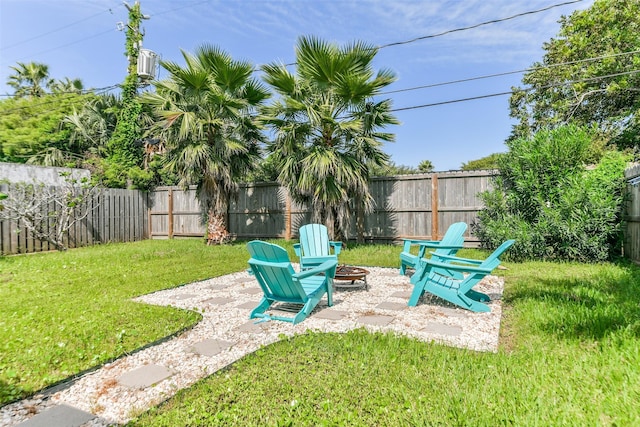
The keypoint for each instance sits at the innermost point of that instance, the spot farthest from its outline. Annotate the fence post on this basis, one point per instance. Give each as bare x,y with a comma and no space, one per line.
287,216
359,220
170,195
434,207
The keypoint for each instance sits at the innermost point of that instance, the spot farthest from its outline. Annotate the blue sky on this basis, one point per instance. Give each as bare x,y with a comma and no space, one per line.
79,39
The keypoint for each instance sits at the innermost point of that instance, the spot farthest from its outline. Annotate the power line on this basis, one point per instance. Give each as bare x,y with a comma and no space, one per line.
488,76
56,30
470,27
531,89
493,21
68,44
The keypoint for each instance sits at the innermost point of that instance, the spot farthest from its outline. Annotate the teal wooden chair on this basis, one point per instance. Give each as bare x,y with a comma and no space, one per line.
272,268
315,247
434,276
451,242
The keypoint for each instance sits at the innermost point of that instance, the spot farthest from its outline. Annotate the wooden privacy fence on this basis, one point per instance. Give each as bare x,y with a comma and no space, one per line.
632,237
118,216
417,206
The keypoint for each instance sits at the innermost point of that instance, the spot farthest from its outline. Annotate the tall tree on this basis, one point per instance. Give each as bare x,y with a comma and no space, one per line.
29,79
589,74
206,114
124,153
328,127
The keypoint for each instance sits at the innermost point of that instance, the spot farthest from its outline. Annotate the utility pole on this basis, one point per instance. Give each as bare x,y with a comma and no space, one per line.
124,153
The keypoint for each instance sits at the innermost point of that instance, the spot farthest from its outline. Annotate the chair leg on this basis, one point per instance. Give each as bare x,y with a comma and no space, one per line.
470,304
264,304
477,296
306,310
418,289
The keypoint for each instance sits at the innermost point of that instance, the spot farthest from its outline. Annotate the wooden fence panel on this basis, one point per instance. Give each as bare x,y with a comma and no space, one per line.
459,200
259,212
632,237
117,216
404,207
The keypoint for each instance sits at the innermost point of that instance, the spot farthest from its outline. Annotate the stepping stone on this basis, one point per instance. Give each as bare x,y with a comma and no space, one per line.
452,312
376,320
387,305
402,294
218,300
59,416
251,291
389,274
145,376
442,329
248,305
253,327
331,314
210,347
244,280
217,287
184,296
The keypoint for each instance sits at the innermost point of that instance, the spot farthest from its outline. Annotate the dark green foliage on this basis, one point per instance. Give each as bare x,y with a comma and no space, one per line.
553,205
33,126
485,163
565,86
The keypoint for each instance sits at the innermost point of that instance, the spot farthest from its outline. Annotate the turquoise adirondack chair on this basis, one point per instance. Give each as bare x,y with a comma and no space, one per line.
451,242
272,268
432,276
315,247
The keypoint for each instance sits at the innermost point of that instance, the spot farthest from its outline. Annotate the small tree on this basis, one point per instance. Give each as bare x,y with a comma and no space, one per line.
551,203
49,212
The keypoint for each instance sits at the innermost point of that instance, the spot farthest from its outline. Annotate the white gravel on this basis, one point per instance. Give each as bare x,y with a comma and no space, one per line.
101,393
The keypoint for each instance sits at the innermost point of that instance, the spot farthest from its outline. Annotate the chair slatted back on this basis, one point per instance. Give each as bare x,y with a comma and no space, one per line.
272,268
314,240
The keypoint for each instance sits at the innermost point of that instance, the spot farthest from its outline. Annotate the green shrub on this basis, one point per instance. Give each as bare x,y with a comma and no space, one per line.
555,207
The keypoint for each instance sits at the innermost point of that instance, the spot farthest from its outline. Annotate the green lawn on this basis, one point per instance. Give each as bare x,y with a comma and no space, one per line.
569,355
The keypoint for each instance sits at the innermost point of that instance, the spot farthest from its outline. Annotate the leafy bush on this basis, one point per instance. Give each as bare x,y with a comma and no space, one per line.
553,205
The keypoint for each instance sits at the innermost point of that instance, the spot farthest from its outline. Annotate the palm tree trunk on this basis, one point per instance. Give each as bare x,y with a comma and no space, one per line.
216,228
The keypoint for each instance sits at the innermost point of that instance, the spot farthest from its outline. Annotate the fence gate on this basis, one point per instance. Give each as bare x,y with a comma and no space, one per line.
175,213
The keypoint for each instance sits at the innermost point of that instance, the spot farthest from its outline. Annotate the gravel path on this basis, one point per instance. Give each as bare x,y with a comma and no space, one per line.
225,335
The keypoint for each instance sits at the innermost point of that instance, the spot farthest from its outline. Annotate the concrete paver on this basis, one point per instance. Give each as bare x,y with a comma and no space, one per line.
59,416
145,376
210,347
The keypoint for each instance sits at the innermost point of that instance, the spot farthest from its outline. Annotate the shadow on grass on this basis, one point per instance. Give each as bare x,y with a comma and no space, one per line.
590,302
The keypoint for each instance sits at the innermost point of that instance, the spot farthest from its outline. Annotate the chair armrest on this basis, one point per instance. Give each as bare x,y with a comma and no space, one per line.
296,248
337,247
437,245
457,259
456,267
410,242
322,268
254,261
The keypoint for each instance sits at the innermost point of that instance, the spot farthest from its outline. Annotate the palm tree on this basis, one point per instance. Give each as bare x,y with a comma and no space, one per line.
30,79
206,114
66,86
425,166
327,123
